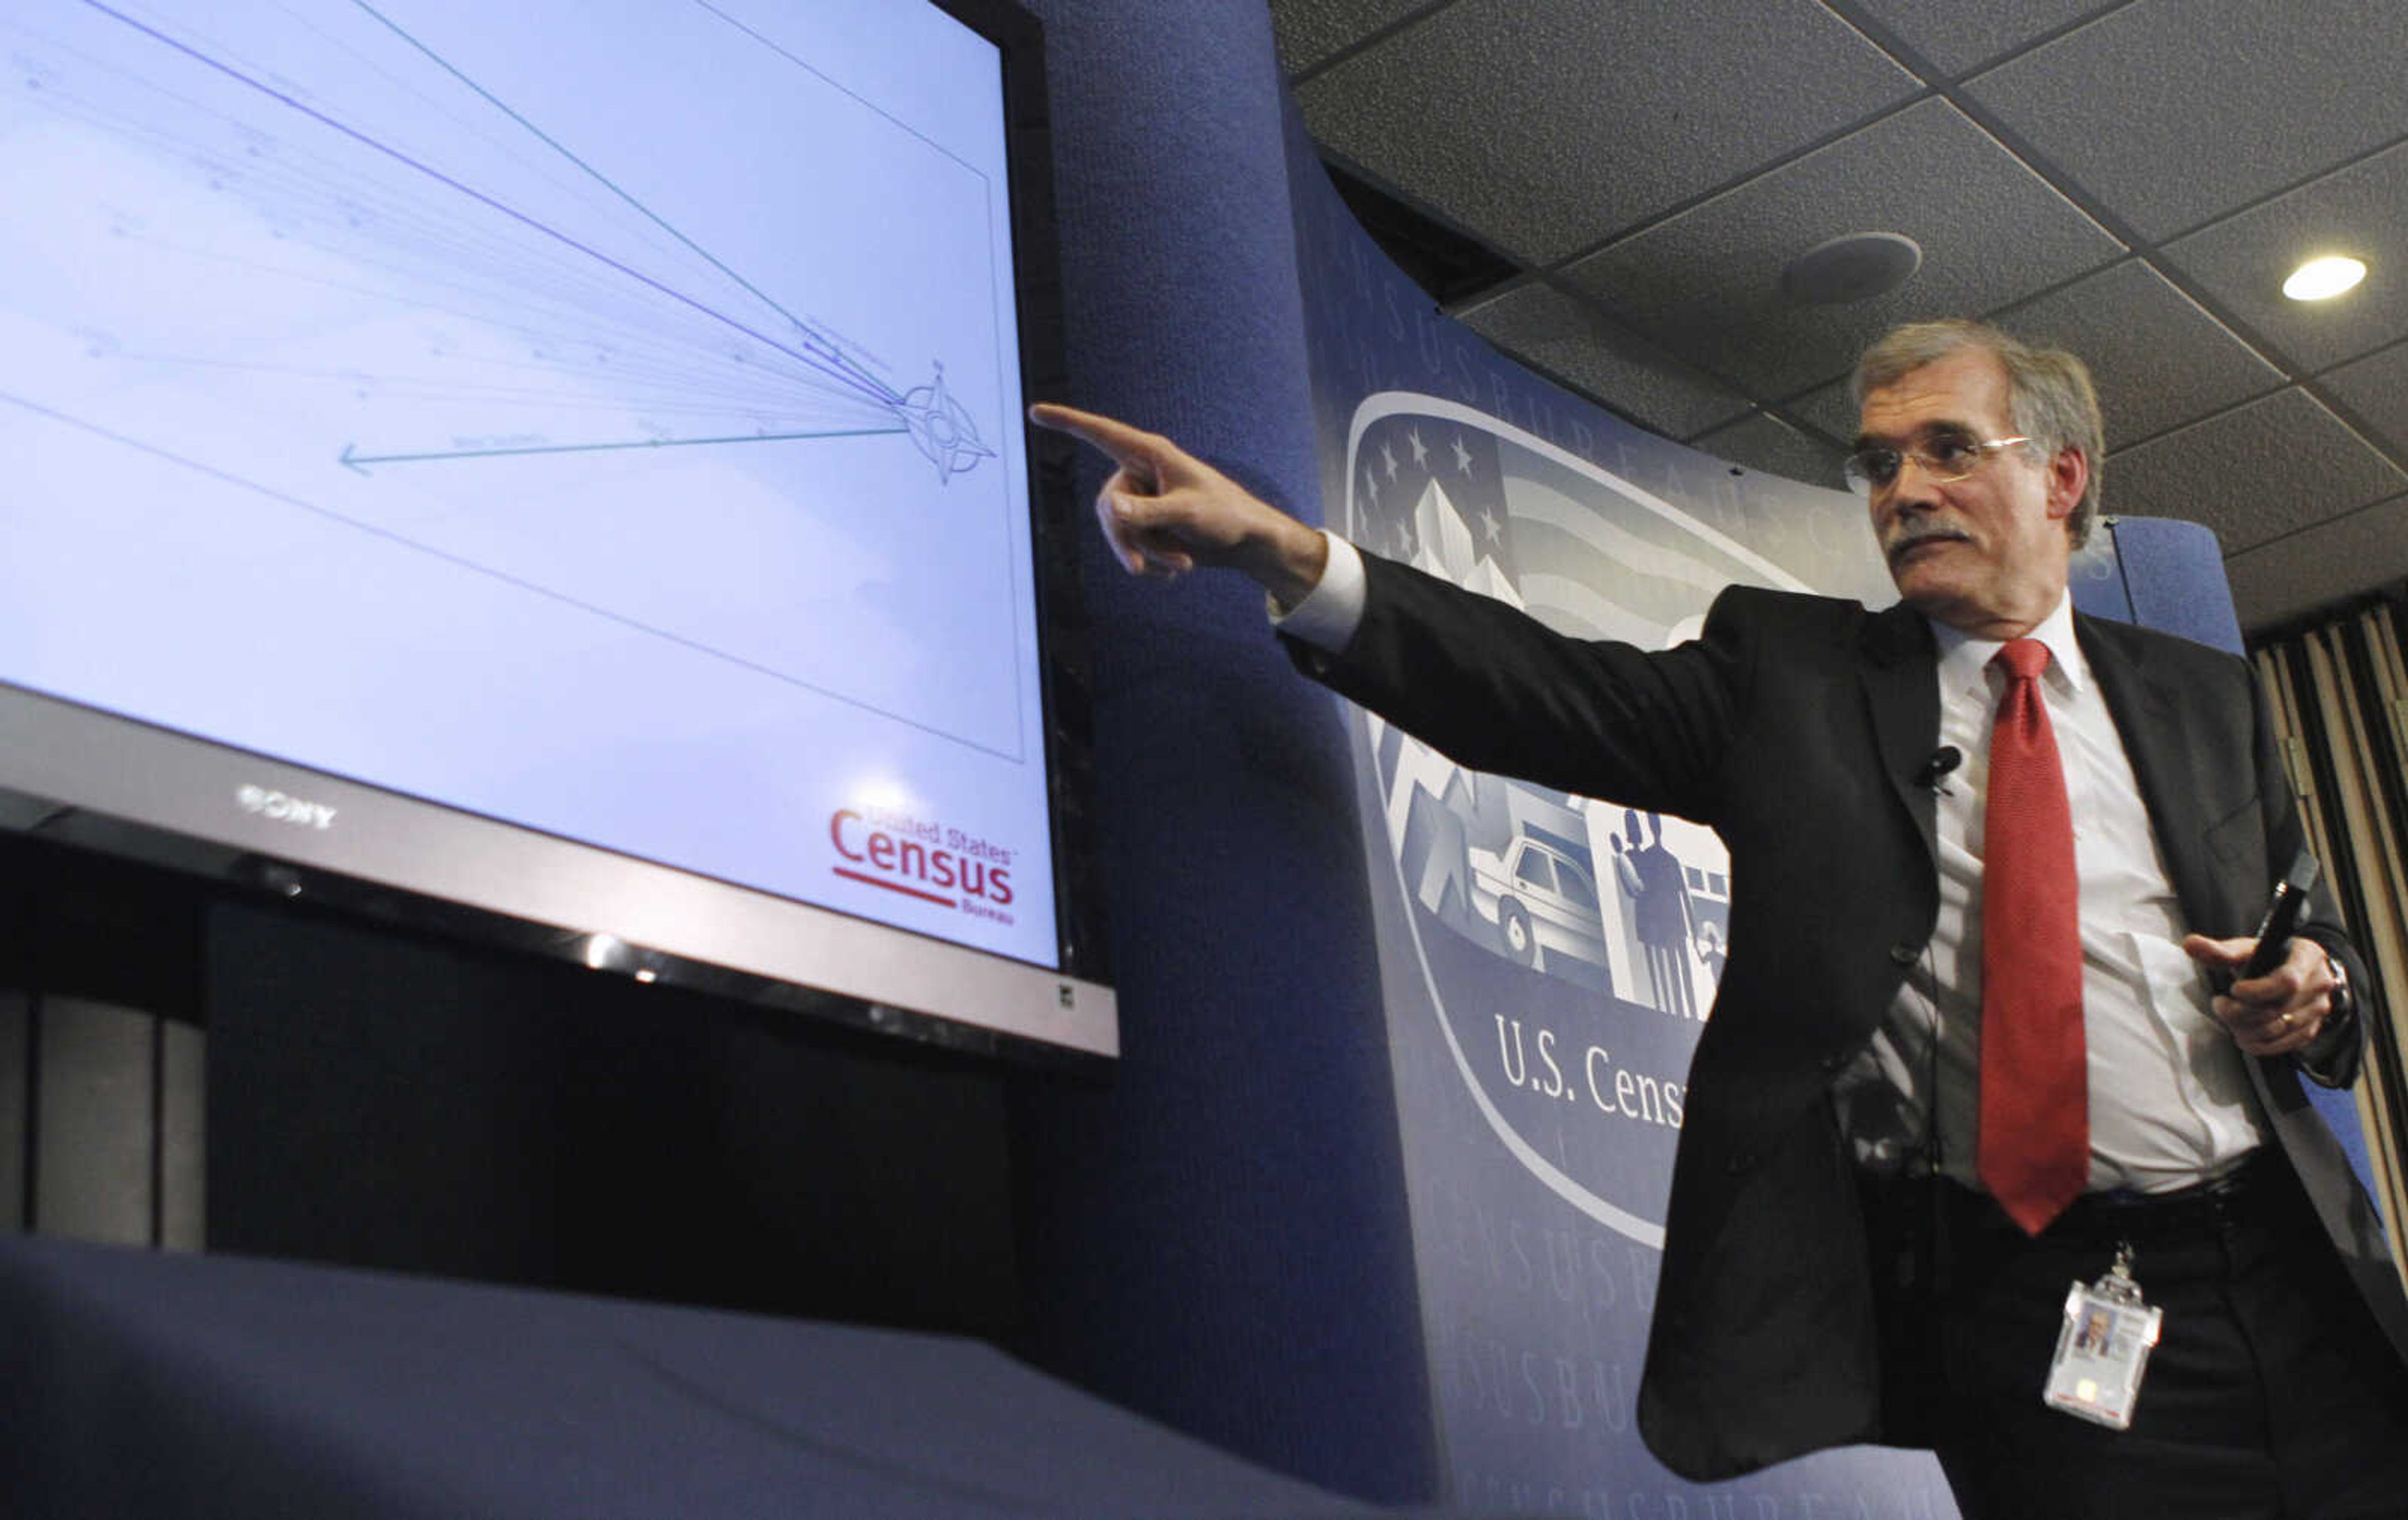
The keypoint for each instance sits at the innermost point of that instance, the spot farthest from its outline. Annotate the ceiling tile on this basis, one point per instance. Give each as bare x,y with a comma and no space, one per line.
2297,573
2376,388
2159,360
2240,262
1573,343
1547,126
1309,31
2162,109
1707,281
1960,34
2253,474
1763,442
1828,407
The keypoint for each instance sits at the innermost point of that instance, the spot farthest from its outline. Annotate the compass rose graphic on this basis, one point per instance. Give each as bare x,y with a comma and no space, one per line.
941,427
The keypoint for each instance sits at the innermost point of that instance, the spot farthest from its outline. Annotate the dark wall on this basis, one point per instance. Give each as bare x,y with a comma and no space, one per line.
389,1102
178,1061
102,1088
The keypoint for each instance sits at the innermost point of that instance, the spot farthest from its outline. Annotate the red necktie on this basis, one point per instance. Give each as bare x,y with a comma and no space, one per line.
2034,1148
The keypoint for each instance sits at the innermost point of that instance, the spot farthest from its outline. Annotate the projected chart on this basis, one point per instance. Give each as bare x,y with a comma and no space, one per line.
577,399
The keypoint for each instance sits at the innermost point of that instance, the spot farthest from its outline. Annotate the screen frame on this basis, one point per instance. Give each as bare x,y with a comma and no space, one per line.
77,776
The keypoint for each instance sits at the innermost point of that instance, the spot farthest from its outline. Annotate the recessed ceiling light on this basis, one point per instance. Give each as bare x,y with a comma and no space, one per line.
2321,280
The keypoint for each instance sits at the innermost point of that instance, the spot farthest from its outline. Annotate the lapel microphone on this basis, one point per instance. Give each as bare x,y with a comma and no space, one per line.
1943,760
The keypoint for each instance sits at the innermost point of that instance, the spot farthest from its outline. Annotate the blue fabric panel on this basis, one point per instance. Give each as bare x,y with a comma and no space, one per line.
172,1386
2174,574
1217,1233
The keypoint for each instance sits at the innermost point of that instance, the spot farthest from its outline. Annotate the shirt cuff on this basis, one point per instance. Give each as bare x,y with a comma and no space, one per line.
2331,1059
1327,616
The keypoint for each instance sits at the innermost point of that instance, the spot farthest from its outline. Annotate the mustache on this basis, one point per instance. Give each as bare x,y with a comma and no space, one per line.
1905,538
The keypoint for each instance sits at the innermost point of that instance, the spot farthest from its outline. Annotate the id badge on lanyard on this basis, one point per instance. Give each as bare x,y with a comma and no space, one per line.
2103,1349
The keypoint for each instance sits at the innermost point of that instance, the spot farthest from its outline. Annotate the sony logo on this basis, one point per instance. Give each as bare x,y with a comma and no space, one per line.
284,808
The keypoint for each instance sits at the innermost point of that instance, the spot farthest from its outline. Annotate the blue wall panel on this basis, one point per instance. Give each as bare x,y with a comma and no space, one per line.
2174,572
1217,1233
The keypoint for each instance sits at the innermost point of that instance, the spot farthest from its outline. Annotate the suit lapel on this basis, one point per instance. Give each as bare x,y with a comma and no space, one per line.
2149,721
1903,697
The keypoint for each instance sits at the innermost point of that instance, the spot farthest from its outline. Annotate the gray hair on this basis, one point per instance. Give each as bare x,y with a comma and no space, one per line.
2050,399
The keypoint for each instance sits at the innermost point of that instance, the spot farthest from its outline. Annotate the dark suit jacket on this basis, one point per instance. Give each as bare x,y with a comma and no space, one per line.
1795,726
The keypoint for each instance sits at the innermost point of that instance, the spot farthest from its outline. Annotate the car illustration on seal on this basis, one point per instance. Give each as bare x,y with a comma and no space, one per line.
1542,900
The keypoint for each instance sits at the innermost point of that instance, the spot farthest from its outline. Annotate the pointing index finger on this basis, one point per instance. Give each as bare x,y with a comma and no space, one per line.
1127,444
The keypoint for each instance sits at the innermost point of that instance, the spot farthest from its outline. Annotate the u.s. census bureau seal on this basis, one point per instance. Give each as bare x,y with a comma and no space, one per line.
1569,948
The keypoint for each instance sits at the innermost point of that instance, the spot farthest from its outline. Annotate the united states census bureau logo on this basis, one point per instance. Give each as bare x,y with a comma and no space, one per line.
900,852
1569,948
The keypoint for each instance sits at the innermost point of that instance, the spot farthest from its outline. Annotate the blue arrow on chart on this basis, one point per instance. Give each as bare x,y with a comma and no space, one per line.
352,459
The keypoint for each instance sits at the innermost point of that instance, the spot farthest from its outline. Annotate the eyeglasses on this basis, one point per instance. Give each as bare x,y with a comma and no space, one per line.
1945,457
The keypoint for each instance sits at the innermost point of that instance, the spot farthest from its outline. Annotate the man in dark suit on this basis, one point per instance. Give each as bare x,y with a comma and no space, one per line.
1989,863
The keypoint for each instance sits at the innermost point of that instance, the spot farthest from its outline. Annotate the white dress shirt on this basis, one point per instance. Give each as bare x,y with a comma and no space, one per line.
2169,1098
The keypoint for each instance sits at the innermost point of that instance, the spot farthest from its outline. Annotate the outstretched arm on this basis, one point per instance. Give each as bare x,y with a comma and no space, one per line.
1165,512
1478,679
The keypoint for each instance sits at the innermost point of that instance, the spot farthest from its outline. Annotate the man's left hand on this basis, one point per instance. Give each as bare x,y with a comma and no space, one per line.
2273,1014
